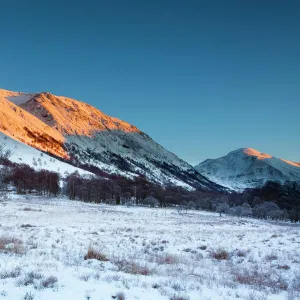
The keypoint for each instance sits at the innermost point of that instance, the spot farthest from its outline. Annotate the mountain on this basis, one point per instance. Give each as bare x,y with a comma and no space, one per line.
79,134
247,168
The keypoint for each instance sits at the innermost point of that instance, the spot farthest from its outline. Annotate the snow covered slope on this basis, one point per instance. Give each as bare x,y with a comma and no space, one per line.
24,154
86,137
246,168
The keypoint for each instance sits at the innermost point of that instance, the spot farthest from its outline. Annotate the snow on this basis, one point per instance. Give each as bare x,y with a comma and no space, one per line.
22,153
56,234
17,98
20,99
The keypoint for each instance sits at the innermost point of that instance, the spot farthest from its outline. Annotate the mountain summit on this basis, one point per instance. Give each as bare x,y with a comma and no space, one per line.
247,168
83,136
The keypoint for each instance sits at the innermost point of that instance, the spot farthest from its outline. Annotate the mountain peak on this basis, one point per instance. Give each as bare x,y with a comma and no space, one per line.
259,155
248,167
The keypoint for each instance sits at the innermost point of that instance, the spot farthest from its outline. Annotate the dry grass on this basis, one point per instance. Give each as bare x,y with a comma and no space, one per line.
220,254
132,267
259,278
179,297
95,254
167,259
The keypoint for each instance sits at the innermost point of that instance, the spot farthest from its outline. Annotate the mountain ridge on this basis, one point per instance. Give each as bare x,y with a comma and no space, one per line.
86,137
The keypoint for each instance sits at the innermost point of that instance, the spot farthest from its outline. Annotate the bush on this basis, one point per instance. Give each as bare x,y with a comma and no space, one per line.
11,245
167,259
283,267
271,257
258,278
131,267
10,274
241,253
95,254
120,296
220,254
28,296
296,283
49,282
37,280
31,278
179,297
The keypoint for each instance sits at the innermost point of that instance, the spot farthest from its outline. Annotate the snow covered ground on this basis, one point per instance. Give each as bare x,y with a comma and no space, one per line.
151,253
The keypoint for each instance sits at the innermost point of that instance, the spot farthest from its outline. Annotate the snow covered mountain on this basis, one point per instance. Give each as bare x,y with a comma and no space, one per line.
83,136
247,168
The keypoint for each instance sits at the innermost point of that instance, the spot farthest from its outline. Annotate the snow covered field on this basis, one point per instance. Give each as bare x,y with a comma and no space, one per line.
146,253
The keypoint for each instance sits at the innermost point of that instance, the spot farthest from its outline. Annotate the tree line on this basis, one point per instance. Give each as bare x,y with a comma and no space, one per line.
274,200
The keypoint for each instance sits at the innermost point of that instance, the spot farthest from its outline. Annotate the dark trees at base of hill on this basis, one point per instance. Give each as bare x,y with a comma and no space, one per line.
286,196
119,190
273,200
27,180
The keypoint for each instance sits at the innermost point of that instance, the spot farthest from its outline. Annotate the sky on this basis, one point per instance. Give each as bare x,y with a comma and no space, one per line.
202,77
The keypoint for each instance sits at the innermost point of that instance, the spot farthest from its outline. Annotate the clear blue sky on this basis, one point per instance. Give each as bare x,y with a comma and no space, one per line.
200,77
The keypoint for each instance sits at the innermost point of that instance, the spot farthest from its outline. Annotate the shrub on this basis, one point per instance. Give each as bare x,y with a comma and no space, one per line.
31,209
179,297
11,245
241,253
167,259
95,254
131,267
27,226
120,296
28,296
283,267
49,282
257,277
271,257
10,274
155,285
220,254
296,283
31,278
202,247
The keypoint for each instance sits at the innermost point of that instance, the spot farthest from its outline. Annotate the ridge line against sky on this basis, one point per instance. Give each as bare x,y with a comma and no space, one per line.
200,78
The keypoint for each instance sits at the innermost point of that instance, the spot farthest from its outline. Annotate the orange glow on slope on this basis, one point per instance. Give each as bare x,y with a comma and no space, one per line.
72,117
291,162
22,126
259,155
44,121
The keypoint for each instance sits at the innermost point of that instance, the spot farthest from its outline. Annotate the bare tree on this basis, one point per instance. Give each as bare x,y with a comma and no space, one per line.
5,154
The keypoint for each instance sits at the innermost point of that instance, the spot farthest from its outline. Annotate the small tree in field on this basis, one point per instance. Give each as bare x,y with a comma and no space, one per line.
223,208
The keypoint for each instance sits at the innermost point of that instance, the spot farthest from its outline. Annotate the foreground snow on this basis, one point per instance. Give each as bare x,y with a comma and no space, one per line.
152,253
